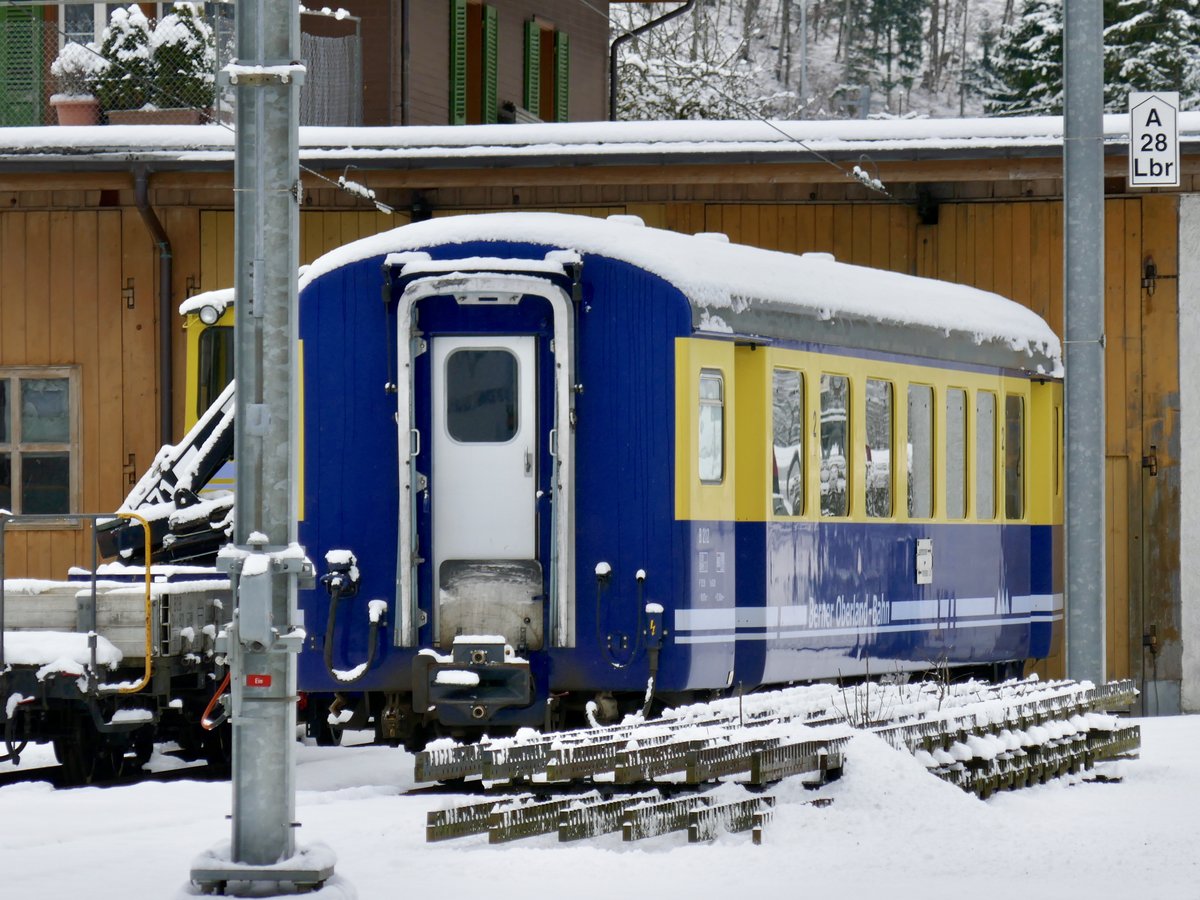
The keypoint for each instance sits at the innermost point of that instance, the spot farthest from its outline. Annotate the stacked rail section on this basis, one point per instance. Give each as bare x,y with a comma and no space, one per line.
704,769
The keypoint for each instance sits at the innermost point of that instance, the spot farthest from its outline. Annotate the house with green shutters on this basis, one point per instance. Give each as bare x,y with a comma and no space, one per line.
373,62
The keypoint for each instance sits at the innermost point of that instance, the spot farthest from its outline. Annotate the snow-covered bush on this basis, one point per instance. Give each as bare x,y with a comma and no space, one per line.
77,69
183,55
126,82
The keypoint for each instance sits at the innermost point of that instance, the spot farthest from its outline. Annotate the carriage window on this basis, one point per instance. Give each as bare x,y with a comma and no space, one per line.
216,365
835,433
879,448
712,427
787,439
956,453
920,451
1014,463
985,455
481,396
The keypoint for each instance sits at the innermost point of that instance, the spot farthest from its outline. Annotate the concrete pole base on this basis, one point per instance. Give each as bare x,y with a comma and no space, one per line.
309,872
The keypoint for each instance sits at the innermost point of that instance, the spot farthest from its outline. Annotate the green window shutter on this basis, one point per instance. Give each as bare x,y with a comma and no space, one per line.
20,65
458,62
533,66
491,44
562,75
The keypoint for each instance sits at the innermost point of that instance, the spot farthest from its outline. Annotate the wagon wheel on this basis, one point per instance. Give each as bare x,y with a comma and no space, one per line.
14,749
118,763
143,745
85,756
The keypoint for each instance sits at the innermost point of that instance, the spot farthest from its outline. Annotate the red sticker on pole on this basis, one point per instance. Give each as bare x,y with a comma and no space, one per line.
262,681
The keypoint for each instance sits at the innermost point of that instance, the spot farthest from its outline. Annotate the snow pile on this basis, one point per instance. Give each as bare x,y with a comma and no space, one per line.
57,651
892,831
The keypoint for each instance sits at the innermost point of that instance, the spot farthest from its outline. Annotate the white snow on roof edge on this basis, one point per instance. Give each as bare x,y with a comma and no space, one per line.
582,139
717,276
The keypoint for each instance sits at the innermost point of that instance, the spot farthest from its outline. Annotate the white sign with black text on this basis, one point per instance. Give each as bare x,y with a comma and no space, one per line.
1154,139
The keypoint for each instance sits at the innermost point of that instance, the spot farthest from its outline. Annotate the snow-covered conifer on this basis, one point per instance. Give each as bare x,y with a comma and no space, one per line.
184,59
126,82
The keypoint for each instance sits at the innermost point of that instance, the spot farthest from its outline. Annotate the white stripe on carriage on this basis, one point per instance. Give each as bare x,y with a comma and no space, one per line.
706,619
944,608
901,611
1038,603
771,616
741,617
1040,619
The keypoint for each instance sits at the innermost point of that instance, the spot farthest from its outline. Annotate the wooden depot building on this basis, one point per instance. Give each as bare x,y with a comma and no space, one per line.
101,240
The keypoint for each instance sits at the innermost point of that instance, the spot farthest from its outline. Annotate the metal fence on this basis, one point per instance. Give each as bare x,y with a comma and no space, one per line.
332,90
30,43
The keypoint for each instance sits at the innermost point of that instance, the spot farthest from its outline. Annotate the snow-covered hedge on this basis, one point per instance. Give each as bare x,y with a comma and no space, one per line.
77,69
168,64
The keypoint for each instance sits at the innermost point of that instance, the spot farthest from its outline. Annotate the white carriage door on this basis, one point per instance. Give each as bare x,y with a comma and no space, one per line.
484,486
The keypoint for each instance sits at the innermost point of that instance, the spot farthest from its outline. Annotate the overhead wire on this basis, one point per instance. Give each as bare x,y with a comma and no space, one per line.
856,173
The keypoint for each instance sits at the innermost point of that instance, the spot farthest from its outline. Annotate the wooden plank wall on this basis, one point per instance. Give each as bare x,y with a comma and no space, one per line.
1016,250
79,313
61,303
1159,433
320,232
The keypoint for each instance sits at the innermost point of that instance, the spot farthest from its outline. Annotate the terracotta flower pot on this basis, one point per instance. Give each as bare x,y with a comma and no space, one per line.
76,109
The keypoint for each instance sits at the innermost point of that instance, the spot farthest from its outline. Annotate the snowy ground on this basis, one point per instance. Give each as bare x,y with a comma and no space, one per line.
892,831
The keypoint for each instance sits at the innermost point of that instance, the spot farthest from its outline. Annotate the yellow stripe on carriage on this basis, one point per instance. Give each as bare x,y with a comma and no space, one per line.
748,485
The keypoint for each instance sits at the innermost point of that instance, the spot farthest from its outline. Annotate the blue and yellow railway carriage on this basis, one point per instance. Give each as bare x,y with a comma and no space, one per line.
570,459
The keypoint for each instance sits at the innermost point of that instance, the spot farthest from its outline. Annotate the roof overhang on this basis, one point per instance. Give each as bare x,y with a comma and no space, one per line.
789,149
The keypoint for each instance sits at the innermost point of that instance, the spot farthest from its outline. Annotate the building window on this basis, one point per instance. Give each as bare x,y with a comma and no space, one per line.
474,47
38,440
787,439
80,23
712,427
547,71
85,22
835,444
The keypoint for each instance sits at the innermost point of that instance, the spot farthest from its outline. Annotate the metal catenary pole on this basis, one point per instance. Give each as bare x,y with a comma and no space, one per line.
265,561
266,172
1083,194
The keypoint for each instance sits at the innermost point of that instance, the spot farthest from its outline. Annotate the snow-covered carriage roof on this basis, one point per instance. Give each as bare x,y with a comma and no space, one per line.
727,284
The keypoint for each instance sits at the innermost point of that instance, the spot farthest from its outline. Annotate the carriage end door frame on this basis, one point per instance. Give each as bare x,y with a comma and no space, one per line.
411,344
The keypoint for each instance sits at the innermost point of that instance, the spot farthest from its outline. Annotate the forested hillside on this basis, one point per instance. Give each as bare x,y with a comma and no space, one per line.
846,58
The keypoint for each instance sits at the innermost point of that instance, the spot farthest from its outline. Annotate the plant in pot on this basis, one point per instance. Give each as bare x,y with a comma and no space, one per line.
184,62
76,72
125,82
